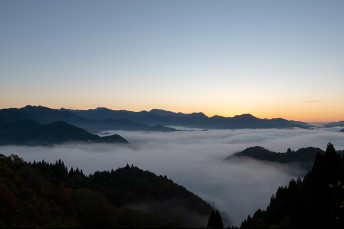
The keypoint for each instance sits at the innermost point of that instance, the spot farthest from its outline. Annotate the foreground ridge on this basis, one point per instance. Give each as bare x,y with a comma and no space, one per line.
315,201
41,194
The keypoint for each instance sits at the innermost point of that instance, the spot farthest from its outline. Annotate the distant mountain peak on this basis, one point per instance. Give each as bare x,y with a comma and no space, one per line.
245,116
199,114
101,109
162,112
35,107
158,110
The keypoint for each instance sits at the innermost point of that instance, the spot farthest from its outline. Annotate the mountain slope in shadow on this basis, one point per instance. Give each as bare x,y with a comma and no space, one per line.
304,157
47,115
316,201
48,195
196,120
30,132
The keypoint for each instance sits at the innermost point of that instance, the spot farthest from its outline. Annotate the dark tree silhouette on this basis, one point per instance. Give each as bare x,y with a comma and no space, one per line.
47,195
316,201
289,150
215,220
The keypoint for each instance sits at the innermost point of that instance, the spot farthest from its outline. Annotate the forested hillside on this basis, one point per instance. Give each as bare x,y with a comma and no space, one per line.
40,194
316,201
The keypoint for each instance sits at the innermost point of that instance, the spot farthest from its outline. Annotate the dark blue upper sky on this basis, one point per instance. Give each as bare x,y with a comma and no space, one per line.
269,58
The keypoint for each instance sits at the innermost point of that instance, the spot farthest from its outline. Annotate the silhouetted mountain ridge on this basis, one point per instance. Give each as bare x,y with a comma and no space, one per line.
106,119
46,115
162,112
30,132
196,120
303,157
334,124
316,201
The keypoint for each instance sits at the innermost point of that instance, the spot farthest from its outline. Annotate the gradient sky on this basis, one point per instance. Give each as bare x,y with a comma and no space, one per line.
268,58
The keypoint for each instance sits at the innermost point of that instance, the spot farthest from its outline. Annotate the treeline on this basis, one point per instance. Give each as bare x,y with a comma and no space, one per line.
42,194
316,201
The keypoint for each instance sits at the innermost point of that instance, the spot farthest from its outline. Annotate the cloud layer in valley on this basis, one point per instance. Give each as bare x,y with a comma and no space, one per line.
195,159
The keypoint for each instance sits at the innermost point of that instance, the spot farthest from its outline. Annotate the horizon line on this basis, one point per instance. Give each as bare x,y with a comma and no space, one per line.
200,112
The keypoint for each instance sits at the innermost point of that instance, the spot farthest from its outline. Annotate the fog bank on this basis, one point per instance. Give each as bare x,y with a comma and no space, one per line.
194,159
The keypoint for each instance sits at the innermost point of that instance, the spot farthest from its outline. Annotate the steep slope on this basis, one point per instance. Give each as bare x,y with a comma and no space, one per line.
315,202
45,195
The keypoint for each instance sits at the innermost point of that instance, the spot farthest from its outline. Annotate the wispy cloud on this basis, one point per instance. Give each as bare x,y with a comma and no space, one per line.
312,101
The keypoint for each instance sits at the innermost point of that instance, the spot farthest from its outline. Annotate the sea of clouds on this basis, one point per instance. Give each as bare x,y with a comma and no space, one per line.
195,159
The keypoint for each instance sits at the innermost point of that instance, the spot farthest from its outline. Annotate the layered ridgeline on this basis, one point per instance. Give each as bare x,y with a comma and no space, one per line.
303,157
106,119
335,124
30,132
40,194
46,115
196,120
317,201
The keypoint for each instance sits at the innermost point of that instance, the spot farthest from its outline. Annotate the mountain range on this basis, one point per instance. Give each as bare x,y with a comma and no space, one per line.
45,115
155,120
194,120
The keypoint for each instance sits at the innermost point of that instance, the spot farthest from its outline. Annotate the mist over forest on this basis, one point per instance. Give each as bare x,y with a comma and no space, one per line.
194,158
172,114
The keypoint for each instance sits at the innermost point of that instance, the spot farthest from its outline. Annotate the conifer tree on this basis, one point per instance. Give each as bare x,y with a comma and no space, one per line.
215,220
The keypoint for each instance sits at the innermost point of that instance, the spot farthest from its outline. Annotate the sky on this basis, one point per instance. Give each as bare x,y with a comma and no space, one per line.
267,58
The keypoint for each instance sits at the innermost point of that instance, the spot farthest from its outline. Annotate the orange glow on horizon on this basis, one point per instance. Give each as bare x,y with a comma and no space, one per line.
301,118
311,115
